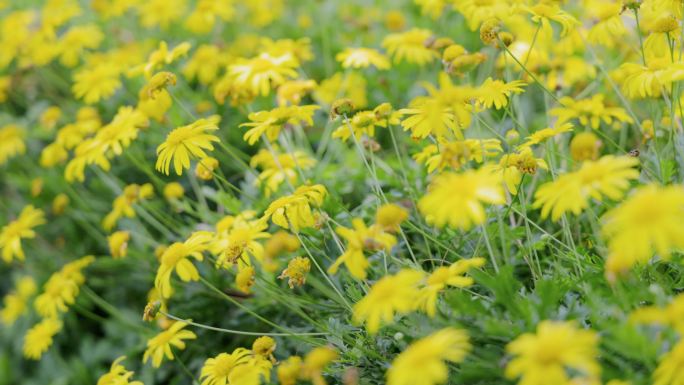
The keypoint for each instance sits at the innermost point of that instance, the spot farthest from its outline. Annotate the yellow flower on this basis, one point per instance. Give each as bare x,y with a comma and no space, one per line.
289,370
176,257
314,363
292,91
59,292
205,168
362,123
264,346
205,64
429,116
423,361
118,243
456,153
641,81
123,204
160,345
161,56
390,216
15,303
238,367
117,375
390,295
295,210
411,46
269,123
244,280
546,133
670,370
39,338
362,58
259,74
203,18
11,142
21,228
647,222
97,82
186,141
514,165
74,42
361,237
609,28
296,271
456,199
544,13
238,242
671,315
160,12
585,146
279,167
547,356
496,92
589,111
50,117
444,276
173,191
608,177
351,85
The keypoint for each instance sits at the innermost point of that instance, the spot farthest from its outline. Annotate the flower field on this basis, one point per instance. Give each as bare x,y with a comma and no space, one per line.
401,192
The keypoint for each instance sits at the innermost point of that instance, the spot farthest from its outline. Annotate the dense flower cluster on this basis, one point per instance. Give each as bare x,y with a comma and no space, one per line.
317,191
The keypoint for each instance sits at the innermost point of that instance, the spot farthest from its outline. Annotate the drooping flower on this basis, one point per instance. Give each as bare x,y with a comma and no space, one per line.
295,210
269,123
279,167
609,177
185,142
38,339
176,258
543,13
161,345
557,349
61,289
21,228
315,362
118,243
123,204
647,222
237,240
443,277
542,135
456,199
423,361
392,294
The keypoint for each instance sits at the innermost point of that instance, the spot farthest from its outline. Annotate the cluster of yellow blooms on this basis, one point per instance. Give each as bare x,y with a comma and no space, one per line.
269,197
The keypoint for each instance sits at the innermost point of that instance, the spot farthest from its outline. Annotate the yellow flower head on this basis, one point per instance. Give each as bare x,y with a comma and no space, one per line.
456,199
423,361
238,367
39,338
314,363
411,46
118,243
296,271
545,357
11,142
15,303
362,58
264,72
244,280
585,146
269,123
184,142
495,93
295,210
205,168
97,82
360,238
671,366
390,295
117,375
176,258
444,276
21,228
608,177
173,190
647,222
161,345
